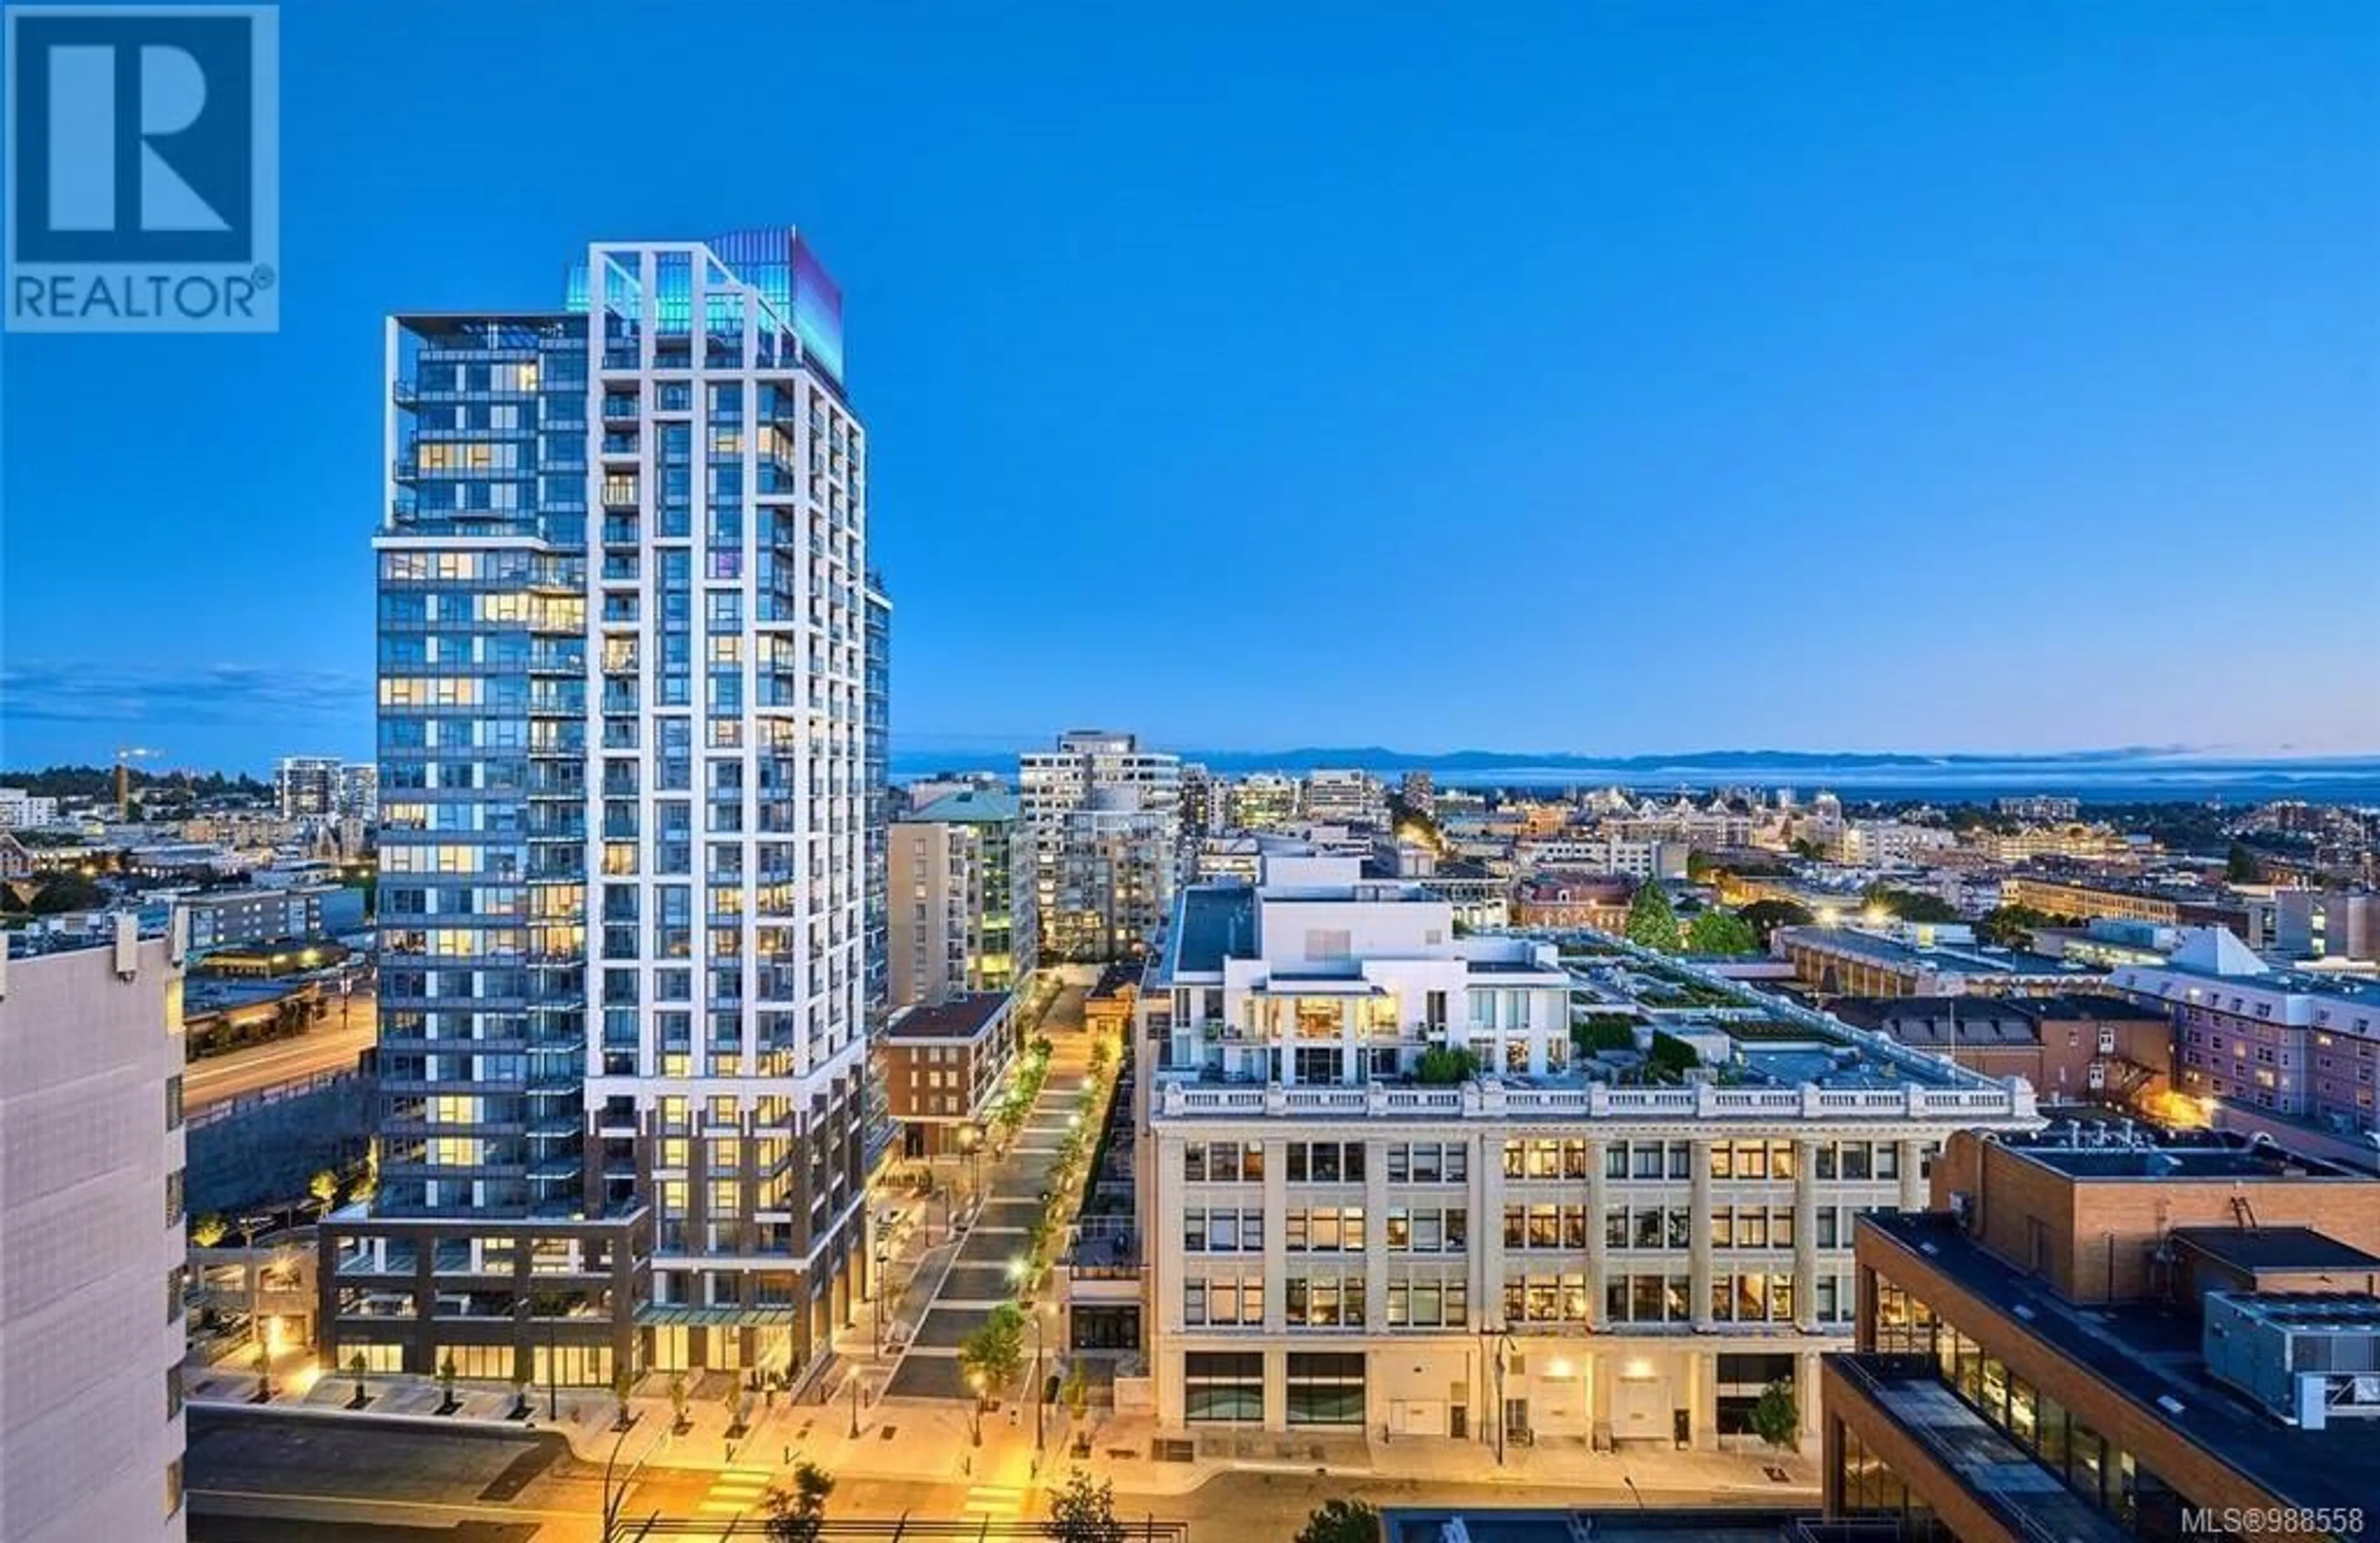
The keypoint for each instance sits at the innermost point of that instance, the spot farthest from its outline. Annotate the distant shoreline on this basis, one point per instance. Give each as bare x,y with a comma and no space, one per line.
2110,779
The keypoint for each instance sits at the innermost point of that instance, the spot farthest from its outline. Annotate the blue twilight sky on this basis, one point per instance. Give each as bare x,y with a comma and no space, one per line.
1608,377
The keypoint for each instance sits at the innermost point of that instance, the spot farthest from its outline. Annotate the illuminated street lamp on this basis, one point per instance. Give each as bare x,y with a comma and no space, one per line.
1037,1446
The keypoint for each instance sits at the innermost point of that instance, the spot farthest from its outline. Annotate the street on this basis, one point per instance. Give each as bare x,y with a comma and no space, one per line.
978,1280
326,1049
261,1477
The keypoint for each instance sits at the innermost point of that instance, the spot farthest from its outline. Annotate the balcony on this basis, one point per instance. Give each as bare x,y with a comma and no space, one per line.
1183,1092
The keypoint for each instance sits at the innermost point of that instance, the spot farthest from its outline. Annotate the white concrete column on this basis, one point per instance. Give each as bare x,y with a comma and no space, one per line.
1488,1231
1376,1238
1805,1235
1699,1177
1913,1195
1702,1374
1597,1252
1276,1257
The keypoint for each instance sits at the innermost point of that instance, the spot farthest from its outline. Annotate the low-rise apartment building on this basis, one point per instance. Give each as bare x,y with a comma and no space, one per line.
1380,1191
2099,1333
1582,854
2090,897
940,1064
1561,902
22,810
1889,843
1918,959
2093,843
222,917
2072,1047
91,1274
2296,1043
1356,799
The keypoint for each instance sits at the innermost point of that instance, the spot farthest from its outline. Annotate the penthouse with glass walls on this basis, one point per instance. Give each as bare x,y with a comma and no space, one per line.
622,652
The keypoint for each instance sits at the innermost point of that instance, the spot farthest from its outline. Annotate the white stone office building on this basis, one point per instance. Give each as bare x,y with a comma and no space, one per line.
1348,798
1331,1242
91,1265
1105,817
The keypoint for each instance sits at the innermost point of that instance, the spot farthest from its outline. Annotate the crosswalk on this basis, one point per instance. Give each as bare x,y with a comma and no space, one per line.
993,1502
735,1492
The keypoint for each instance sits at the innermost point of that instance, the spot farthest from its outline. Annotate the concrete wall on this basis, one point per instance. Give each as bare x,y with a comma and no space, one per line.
265,1155
90,1326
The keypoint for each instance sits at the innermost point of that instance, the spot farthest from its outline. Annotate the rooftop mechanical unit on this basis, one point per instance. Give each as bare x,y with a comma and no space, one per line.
2308,1357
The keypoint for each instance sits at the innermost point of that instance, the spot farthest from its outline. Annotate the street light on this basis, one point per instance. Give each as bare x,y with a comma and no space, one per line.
875,1297
1037,1388
612,1501
1497,1339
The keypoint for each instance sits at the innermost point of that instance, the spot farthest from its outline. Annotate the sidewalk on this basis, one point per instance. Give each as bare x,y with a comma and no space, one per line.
928,1441
1124,1450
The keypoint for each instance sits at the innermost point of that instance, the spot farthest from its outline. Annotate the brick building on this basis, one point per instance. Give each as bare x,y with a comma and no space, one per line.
940,1064
2095,1335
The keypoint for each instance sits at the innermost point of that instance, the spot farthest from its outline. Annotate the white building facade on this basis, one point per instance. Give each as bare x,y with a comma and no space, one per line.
1637,859
92,1270
22,810
1526,1253
1105,817
623,840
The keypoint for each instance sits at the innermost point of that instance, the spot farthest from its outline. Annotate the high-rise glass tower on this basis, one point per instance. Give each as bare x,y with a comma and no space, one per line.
877,755
622,653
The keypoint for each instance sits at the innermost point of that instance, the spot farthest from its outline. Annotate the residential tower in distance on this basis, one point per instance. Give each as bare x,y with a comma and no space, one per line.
1106,819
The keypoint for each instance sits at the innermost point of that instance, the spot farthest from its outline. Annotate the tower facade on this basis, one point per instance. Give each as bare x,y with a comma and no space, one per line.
1106,821
623,837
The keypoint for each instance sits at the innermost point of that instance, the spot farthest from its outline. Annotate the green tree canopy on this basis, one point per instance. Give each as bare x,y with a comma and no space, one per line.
1670,1057
1652,920
1336,1521
1605,1031
2012,926
1445,1065
1081,1511
1909,904
1765,917
800,1516
66,891
1775,1419
2241,866
994,1353
1717,932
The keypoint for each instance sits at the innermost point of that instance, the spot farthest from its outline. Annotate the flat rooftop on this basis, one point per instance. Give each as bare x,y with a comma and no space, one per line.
1966,958
2121,1149
962,1017
2151,1355
1209,922
2291,1249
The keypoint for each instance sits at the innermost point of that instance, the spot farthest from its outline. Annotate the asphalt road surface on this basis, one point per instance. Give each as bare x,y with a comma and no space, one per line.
328,1049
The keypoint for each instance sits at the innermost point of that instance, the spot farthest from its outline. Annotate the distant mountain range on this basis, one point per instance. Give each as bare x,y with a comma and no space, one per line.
2119,774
